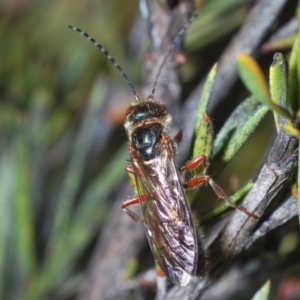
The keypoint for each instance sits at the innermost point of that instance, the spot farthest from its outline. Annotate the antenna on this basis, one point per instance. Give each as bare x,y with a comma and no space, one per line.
173,45
136,96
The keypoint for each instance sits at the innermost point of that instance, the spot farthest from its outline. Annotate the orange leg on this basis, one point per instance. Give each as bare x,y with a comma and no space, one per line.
197,181
133,201
129,169
196,162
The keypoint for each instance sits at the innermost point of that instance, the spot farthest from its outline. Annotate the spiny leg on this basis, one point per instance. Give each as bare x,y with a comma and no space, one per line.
197,181
129,169
134,200
178,137
196,162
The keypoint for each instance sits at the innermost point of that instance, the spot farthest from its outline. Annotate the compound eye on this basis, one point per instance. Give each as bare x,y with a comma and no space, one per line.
129,110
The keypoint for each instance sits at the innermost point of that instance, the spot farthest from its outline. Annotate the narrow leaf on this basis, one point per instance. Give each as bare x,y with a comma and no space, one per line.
278,85
207,89
211,27
298,185
204,138
88,217
203,128
293,75
23,210
202,146
7,188
236,119
237,139
242,133
78,158
290,129
254,80
279,44
263,292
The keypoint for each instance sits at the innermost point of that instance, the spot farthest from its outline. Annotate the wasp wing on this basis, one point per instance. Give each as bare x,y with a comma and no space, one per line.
167,216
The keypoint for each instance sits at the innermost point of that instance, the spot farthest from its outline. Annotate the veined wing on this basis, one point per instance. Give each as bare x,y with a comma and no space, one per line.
168,221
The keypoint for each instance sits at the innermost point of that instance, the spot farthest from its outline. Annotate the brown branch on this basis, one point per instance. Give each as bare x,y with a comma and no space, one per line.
275,174
242,280
163,26
284,213
241,230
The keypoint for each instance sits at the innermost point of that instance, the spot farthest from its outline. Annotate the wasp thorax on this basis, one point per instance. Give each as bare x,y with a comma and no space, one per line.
145,138
144,124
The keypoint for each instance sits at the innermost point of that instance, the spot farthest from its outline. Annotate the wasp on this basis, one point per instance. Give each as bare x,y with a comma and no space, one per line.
167,216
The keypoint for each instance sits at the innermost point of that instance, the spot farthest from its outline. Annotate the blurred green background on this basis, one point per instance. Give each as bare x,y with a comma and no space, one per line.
54,89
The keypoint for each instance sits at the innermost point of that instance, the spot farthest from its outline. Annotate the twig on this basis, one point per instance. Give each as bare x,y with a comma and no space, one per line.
241,230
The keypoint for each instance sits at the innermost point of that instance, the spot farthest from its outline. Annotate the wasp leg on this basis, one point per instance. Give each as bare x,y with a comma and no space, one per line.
129,169
133,216
196,182
196,162
178,137
133,201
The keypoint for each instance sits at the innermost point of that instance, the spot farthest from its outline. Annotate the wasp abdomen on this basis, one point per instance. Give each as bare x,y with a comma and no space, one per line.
145,138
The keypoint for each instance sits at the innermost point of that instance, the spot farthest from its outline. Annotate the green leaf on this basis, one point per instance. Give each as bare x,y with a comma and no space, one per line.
202,146
263,292
204,138
205,96
236,119
75,169
92,211
237,139
210,27
203,129
37,125
254,80
298,184
23,209
291,130
131,268
293,75
88,217
203,125
7,220
285,42
278,85
242,133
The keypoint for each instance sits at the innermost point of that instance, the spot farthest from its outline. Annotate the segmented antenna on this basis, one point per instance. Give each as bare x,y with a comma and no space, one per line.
137,98
173,45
